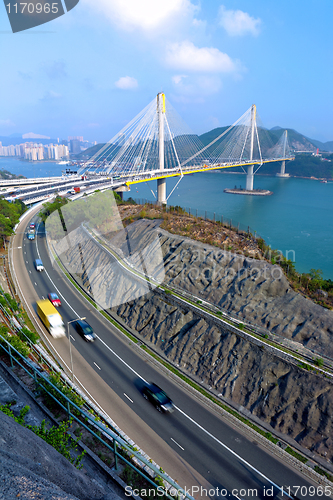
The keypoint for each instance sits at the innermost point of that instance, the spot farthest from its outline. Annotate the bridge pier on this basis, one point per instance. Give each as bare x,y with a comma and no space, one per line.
249,178
161,191
282,172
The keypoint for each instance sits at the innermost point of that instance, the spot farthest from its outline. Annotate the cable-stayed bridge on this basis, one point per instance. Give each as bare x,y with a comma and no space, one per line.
157,144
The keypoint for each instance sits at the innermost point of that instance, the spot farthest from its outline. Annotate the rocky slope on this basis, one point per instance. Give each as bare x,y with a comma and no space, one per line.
253,289
293,401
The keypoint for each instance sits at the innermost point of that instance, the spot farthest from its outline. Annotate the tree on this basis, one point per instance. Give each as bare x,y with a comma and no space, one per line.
6,228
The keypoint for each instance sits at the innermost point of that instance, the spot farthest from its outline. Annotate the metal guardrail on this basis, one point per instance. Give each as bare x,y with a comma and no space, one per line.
118,447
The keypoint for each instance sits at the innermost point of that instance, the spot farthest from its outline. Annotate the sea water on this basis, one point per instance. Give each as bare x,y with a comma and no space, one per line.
296,219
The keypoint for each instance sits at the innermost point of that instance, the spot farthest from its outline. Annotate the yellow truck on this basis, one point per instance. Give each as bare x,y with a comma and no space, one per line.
51,318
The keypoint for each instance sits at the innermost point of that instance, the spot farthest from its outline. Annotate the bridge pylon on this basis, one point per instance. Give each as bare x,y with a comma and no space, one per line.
250,175
161,183
282,172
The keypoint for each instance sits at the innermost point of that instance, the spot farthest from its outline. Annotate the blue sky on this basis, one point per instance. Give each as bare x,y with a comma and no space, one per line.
92,70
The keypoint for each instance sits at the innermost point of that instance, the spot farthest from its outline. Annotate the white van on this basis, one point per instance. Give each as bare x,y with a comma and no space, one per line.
39,265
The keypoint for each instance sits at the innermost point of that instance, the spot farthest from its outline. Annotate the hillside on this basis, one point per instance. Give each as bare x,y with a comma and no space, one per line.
303,165
290,399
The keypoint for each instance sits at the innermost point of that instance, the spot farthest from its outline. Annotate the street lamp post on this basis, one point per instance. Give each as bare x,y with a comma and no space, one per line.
70,344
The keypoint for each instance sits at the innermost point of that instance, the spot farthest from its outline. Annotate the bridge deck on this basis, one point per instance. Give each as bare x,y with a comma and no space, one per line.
192,170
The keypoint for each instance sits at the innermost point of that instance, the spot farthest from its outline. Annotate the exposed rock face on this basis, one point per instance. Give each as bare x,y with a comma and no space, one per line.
36,470
255,290
293,401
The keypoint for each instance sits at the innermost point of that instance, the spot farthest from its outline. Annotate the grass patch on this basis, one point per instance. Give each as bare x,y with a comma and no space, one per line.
323,473
294,453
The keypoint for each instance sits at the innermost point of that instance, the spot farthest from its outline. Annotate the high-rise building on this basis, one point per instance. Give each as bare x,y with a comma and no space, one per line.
75,146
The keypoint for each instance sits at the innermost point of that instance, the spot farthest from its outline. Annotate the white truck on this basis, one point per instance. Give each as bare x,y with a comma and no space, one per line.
51,318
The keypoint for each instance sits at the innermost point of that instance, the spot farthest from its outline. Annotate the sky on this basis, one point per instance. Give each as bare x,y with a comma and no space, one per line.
90,71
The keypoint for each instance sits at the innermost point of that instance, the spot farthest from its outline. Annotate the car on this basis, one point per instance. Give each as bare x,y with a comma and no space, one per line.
32,225
158,398
39,265
85,330
53,297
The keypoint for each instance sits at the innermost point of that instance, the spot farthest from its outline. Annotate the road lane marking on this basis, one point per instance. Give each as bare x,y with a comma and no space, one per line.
177,444
35,283
72,338
128,397
29,271
181,411
26,261
97,365
43,297
229,449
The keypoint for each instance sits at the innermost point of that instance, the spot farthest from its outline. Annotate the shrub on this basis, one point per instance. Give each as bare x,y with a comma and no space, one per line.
25,332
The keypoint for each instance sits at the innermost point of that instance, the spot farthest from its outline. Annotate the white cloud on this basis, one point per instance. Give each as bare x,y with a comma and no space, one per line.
146,15
238,23
187,57
126,83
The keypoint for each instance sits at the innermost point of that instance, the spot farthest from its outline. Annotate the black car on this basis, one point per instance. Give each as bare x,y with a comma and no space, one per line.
158,398
85,330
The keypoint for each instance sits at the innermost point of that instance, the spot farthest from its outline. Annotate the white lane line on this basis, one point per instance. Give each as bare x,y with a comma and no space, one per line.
43,297
35,283
229,449
120,359
97,365
177,444
26,261
29,271
181,411
72,338
128,397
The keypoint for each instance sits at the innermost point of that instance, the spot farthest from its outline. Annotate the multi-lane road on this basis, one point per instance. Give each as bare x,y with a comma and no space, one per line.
196,445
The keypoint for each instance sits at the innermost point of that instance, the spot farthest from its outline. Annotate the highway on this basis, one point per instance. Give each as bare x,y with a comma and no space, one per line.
192,444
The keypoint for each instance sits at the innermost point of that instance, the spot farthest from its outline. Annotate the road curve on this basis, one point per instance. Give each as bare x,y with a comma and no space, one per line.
192,444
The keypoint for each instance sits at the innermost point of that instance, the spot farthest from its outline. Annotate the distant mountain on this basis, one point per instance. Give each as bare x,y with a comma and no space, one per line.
32,135
323,146
18,139
297,141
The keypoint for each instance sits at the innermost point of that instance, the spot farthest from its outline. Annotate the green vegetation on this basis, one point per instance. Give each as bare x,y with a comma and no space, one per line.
9,216
5,174
51,207
14,341
310,282
59,439
55,379
294,453
55,436
323,473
